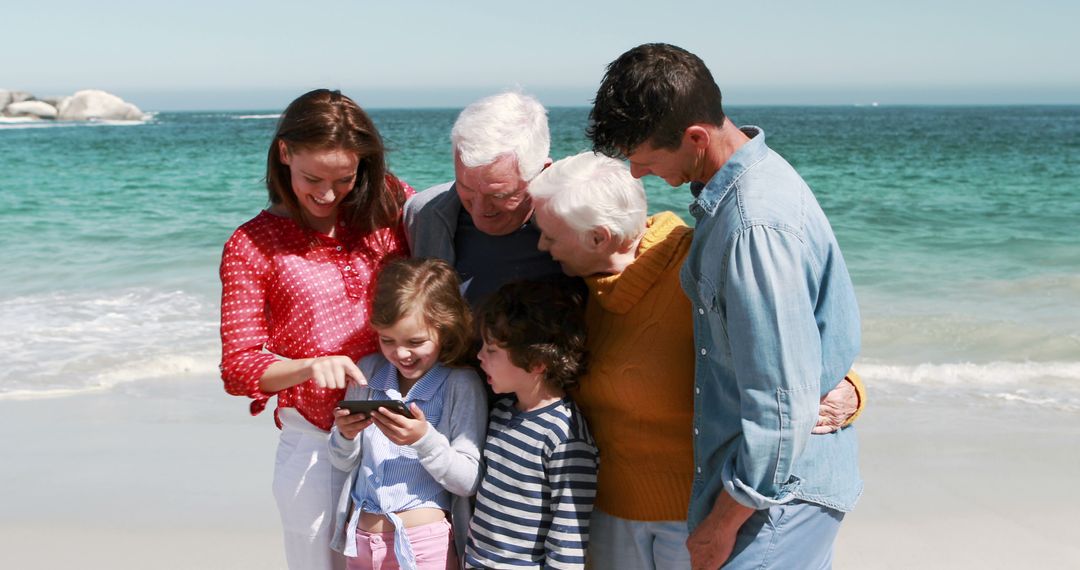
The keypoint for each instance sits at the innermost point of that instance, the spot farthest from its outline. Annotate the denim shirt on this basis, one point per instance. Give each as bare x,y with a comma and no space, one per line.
776,326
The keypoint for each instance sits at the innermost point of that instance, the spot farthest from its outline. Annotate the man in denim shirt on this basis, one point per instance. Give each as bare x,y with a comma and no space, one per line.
775,317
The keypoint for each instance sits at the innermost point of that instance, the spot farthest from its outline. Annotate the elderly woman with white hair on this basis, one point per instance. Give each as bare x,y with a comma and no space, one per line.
638,394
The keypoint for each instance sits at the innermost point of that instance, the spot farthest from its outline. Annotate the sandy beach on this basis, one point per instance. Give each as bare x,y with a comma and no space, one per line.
955,486
179,477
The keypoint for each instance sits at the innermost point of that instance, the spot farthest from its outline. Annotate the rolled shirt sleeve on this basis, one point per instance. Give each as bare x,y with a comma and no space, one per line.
244,329
770,290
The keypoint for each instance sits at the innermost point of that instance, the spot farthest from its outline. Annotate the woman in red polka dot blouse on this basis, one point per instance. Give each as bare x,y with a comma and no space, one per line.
296,291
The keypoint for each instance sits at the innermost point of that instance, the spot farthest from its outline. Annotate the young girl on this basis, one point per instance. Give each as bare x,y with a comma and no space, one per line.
295,290
534,503
398,477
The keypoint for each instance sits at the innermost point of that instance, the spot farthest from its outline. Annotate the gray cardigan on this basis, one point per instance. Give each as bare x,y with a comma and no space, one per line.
431,219
450,452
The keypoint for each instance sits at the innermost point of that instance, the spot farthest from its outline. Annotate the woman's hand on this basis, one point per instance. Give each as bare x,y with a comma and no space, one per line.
335,371
400,429
350,424
327,371
836,407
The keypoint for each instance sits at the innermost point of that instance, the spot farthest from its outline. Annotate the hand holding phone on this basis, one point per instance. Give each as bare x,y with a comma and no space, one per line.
349,424
400,428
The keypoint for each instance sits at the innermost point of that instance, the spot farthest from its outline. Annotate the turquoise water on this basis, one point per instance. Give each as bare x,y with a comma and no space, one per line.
959,226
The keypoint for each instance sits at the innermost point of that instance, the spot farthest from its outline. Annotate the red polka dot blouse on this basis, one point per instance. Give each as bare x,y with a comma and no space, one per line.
293,293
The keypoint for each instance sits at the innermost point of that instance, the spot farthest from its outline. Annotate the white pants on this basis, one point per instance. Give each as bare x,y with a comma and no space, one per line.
304,497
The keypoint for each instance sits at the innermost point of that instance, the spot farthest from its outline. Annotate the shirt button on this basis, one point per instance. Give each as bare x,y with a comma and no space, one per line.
338,248
699,469
697,390
700,311
696,432
703,352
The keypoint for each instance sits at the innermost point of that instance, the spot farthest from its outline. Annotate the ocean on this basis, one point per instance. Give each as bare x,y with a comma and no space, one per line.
959,226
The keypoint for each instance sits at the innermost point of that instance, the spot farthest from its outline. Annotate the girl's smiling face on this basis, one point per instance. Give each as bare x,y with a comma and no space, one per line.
410,345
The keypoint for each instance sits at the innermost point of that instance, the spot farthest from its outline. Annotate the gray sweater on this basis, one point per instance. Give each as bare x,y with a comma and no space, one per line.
431,219
450,453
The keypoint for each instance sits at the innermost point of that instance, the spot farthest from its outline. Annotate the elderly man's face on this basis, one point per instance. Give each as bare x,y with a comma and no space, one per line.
494,195
567,246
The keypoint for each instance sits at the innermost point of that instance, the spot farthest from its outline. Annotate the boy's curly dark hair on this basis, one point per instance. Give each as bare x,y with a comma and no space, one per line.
539,323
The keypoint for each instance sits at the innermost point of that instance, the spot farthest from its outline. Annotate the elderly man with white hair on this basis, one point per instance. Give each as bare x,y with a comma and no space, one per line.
481,222
638,394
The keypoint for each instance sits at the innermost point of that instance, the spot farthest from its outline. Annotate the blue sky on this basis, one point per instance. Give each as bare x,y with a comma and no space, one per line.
227,54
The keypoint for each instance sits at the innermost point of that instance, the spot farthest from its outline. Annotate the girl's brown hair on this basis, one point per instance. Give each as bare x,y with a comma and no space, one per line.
432,287
327,120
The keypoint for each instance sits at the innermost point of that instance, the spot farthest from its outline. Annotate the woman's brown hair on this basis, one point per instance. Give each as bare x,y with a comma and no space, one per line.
432,287
327,120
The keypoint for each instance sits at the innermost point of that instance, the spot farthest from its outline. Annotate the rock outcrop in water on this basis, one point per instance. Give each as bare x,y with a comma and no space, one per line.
89,104
39,109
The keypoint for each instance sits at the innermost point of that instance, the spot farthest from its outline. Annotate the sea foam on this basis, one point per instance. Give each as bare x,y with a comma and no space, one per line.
1054,385
63,344
8,123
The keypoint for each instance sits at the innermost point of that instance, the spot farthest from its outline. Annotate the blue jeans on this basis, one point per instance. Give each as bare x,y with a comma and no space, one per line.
792,535
623,544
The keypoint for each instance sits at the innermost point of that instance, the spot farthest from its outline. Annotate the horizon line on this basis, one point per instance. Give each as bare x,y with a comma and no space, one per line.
870,105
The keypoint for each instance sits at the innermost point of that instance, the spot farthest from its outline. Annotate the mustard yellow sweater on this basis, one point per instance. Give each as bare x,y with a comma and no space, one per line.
638,393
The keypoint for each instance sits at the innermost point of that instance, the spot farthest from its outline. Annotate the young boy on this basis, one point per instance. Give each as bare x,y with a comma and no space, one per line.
536,497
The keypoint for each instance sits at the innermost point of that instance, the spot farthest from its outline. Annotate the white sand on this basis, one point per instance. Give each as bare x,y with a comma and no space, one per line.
174,480
951,486
181,479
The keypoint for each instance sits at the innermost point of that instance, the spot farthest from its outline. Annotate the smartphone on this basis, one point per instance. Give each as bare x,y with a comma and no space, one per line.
368,406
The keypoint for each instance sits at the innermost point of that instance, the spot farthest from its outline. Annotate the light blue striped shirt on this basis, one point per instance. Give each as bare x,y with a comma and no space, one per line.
391,478
534,503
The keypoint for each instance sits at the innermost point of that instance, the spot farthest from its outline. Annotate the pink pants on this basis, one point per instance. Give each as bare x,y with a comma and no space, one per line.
432,545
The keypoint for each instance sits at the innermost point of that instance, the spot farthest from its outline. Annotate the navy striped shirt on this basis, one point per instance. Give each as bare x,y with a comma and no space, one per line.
534,503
